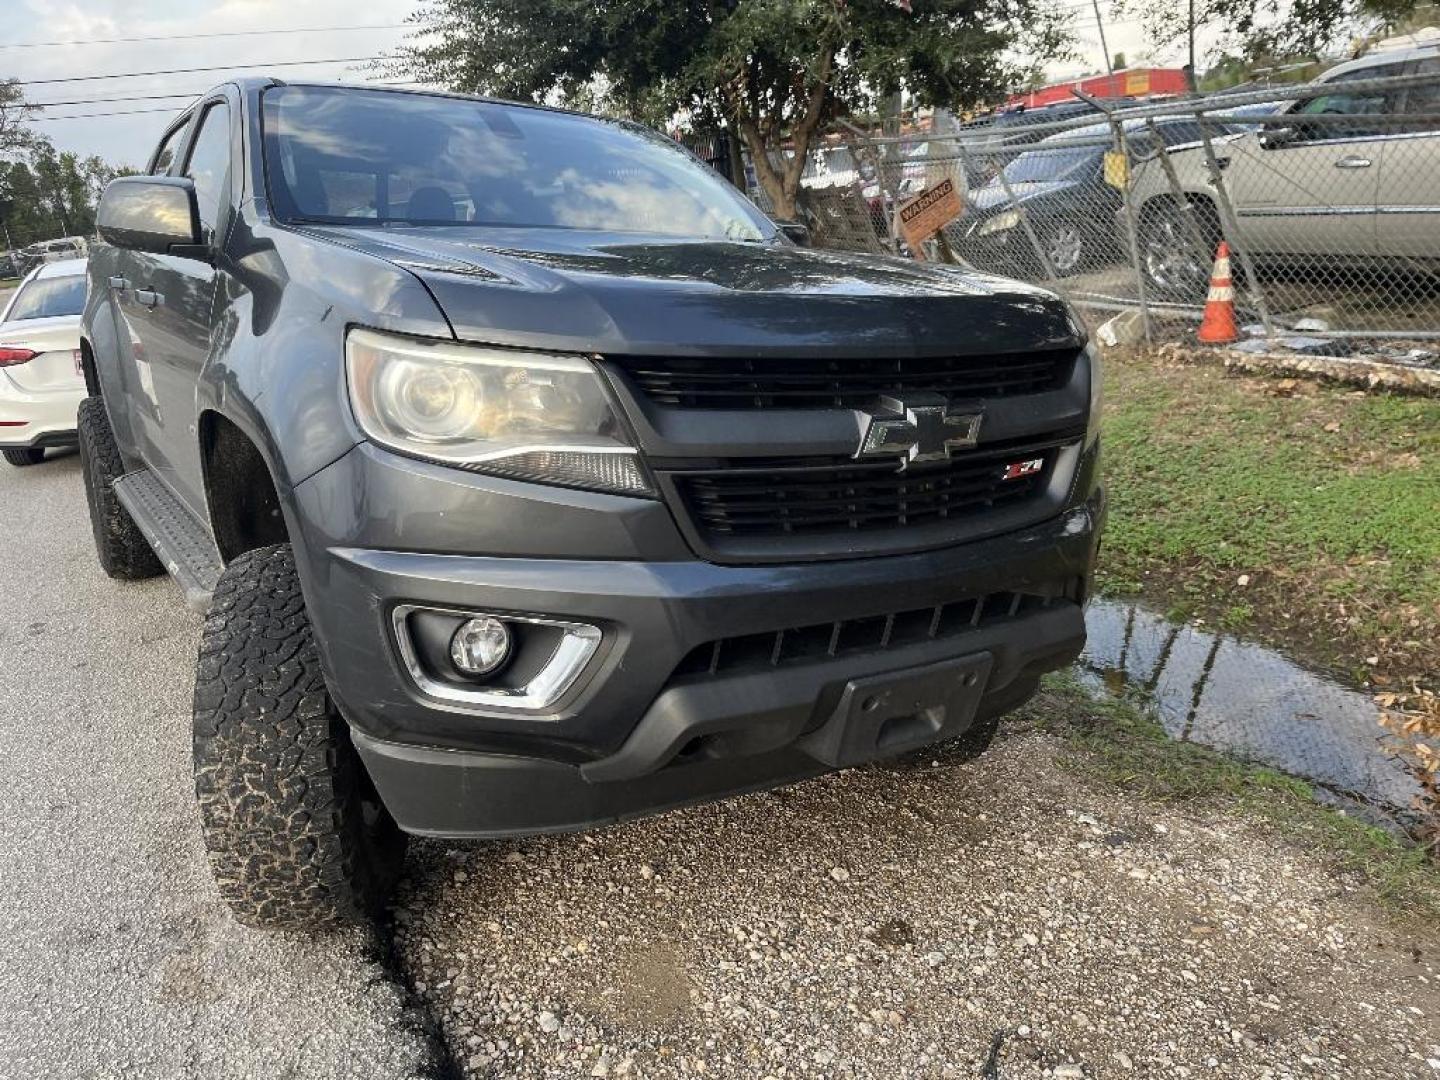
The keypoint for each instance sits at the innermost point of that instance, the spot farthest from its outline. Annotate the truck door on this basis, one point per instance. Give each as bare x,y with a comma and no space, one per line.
137,427
178,294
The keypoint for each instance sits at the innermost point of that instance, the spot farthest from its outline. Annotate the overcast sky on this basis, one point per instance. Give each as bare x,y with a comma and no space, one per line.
129,139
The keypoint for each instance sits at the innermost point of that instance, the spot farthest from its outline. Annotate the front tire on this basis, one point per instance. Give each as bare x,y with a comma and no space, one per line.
121,547
296,833
21,456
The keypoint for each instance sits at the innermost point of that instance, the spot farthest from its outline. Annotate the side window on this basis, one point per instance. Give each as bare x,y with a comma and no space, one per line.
209,166
1422,102
1356,105
165,157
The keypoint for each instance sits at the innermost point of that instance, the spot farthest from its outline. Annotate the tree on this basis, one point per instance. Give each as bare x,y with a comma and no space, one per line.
15,112
773,71
1117,62
1267,29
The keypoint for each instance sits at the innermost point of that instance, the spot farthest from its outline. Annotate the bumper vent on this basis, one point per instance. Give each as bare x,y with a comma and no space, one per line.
851,383
846,496
825,641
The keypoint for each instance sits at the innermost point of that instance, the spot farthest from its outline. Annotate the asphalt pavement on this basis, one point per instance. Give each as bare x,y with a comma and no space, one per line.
118,960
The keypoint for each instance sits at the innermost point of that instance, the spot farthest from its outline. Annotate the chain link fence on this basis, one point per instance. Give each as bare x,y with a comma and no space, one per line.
1328,195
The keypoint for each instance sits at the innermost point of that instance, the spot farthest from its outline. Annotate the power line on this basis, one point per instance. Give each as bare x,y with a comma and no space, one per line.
122,99
175,110
113,100
197,37
93,115
190,71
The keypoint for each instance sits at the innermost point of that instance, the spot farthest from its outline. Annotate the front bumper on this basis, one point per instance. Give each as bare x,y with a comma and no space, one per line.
644,728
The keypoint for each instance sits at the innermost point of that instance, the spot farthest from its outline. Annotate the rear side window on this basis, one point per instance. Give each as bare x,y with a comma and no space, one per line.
165,156
46,298
209,165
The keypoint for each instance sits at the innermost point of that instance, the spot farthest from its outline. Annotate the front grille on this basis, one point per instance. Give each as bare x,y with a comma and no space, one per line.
820,383
876,633
847,496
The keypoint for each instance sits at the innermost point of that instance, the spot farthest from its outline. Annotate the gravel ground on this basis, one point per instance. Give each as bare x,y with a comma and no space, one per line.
118,960
888,922
885,922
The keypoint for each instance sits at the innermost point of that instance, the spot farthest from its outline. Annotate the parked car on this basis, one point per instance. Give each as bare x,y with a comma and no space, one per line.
1060,184
1339,178
537,499
68,247
40,381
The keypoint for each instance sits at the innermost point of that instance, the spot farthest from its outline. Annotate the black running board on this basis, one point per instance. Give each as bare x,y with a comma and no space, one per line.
180,541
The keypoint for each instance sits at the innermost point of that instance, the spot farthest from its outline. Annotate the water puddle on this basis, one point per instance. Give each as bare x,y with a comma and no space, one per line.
1211,688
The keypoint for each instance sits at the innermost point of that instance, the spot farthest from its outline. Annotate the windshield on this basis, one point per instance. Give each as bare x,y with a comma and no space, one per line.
1040,165
47,297
352,156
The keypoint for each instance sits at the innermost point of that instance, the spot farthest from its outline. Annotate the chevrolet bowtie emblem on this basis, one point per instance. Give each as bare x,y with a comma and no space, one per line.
917,428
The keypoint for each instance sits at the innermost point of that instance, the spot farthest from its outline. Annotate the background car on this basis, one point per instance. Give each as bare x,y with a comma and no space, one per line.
1345,177
1060,184
40,381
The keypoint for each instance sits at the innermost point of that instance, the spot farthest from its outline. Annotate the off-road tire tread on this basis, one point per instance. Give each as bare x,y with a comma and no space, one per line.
121,547
21,456
278,781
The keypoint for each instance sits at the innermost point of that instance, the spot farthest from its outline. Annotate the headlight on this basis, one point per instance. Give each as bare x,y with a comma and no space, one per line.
531,416
1097,395
1000,223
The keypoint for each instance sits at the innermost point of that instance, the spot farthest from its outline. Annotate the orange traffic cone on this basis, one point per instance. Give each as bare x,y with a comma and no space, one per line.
1218,326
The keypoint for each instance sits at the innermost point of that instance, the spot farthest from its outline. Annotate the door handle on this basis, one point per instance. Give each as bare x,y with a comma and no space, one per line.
149,297
119,284
1353,163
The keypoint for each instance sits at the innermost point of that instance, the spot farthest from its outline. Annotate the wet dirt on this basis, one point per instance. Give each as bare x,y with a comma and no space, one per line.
1218,690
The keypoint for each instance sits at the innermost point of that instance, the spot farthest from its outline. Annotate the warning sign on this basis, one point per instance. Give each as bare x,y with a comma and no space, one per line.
929,212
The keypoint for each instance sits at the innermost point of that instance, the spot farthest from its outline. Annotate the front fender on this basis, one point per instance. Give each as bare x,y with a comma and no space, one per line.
276,364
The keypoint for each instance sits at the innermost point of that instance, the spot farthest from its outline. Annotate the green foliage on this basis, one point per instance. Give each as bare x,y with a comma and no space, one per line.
14,113
1325,500
1260,30
774,70
44,193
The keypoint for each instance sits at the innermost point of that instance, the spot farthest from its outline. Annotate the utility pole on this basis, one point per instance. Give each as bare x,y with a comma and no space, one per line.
1104,48
1190,67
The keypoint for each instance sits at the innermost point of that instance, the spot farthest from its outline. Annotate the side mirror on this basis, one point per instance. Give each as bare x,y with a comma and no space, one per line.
795,232
156,214
1272,138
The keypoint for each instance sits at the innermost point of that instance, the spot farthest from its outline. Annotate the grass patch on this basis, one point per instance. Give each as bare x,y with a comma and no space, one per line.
1122,745
1303,513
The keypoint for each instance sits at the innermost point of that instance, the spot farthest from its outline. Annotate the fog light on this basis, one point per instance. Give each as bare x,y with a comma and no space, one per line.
480,646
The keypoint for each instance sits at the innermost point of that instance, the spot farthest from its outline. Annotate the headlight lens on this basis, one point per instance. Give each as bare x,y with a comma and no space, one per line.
532,416
1000,223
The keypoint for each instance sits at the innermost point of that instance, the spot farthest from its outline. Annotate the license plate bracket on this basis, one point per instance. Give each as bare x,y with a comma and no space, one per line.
883,715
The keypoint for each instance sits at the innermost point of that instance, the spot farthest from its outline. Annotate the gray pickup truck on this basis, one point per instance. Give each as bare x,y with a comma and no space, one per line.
530,479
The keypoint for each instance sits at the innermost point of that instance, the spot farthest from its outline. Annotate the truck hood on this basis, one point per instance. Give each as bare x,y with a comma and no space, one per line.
599,292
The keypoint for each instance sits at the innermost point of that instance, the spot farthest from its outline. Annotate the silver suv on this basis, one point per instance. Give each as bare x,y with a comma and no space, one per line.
1340,177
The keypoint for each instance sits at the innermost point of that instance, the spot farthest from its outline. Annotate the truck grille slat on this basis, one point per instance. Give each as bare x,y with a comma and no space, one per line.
819,383
847,496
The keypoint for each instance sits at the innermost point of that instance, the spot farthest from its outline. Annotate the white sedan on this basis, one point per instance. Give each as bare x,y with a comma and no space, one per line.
41,383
